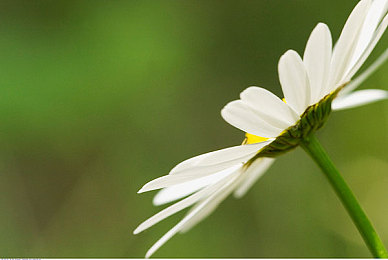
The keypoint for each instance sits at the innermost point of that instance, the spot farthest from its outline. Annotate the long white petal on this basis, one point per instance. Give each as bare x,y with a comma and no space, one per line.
240,153
317,57
359,98
252,174
217,161
188,217
294,81
269,107
376,37
241,116
215,157
245,181
365,74
171,210
376,12
346,44
212,204
183,203
175,192
205,212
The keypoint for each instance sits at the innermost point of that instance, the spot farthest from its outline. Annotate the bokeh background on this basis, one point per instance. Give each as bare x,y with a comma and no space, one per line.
99,97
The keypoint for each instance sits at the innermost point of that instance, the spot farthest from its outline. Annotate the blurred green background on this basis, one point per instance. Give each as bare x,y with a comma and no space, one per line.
99,97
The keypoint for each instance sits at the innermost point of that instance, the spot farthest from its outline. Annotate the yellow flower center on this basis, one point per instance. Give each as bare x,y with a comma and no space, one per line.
252,139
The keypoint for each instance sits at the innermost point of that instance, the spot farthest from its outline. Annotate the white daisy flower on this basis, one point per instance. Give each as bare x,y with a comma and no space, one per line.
274,126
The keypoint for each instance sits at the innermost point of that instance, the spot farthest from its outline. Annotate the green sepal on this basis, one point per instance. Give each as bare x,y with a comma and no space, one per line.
311,120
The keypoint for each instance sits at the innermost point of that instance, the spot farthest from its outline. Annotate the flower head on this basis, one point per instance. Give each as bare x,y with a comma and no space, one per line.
312,86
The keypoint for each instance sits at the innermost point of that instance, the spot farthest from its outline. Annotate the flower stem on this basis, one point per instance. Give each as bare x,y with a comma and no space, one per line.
312,146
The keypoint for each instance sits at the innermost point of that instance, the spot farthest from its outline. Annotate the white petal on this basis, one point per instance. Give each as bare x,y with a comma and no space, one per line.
376,37
365,74
188,217
375,14
252,174
171,210
175,192
240,153
182,204
269,107
216,161
294,81
219,156
205,212
359,98
214,157
317,57
241,116
346,44
211,205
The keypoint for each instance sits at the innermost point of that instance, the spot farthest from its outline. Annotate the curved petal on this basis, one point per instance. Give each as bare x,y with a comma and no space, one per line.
269,107
175,192
317,57
376,12
376,37
206,165
241,116
252,174
365,74
171,210
165,213
205,212
346,44
359,98
294,81
225,189
211,205
218,156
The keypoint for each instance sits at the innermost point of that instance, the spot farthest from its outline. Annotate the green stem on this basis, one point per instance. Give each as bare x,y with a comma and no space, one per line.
312,146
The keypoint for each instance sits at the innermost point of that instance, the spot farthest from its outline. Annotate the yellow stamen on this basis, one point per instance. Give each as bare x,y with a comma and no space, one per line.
252,139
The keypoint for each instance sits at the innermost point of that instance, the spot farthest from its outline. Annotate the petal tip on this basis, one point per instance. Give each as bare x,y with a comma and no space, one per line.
136,231
322,26
149,254
143,189
157,201
285,58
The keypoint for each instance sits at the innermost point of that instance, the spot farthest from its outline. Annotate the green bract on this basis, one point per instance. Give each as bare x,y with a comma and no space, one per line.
311,120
